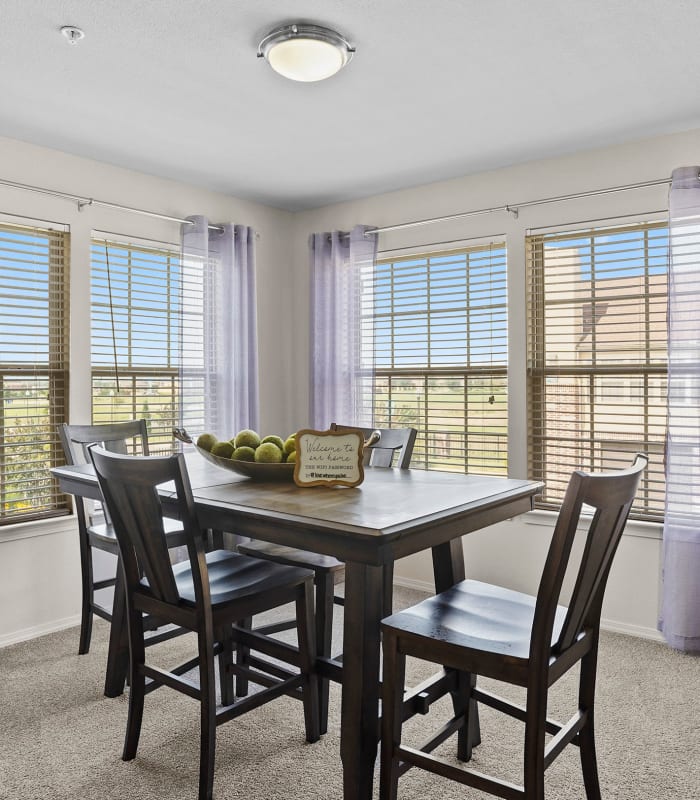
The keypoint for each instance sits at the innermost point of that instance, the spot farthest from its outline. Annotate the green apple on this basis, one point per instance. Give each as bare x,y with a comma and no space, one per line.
243,454
291,444
246,438
275,440
206,441
222,449
268,453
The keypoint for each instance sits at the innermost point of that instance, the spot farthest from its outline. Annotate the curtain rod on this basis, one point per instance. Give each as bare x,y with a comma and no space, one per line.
82,202
513,208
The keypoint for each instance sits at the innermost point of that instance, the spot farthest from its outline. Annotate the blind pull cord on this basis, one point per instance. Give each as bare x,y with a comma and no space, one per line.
111,316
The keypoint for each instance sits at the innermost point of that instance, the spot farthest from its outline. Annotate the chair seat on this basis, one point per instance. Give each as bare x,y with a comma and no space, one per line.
476,616
234,577
102,533
290,556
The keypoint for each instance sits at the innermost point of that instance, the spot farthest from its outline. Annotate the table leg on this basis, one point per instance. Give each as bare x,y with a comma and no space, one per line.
359,732
448,569
118,650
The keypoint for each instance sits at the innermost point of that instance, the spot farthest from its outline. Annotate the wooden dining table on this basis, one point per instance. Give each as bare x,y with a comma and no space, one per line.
392,514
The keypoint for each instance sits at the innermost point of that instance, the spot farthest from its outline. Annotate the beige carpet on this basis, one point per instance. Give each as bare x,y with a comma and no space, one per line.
61,738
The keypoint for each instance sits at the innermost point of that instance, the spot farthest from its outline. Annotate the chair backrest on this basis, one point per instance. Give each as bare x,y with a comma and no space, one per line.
129,487
608,497
114,436
117,437
394,448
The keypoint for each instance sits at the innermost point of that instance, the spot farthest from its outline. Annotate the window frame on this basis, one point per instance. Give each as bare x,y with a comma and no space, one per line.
128,378
49,501
388,376
649,504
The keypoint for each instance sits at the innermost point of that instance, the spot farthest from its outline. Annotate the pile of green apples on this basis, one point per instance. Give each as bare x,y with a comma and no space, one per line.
247,445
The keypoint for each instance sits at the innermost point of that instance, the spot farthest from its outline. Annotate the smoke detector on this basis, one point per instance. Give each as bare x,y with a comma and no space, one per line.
72,34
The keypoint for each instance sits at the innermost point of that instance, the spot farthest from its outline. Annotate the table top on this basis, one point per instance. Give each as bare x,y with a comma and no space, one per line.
387,506
387,500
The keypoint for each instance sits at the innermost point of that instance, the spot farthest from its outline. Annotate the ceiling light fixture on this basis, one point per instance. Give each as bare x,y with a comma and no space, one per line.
305,52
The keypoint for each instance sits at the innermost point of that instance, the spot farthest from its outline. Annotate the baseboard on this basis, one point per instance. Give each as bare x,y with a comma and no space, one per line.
39,630
641,632
611,625
423,586
410,583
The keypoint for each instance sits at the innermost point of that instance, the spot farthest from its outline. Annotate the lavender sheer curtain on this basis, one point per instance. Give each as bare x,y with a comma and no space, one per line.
680,610
219,372
342,355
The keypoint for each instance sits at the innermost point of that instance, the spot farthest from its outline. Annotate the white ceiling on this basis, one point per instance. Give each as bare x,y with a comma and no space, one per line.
436,90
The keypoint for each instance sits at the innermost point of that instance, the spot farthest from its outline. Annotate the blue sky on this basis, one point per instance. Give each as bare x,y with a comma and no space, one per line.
24,304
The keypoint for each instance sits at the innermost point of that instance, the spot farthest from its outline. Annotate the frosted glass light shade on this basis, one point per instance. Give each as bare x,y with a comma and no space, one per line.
305,59
305,52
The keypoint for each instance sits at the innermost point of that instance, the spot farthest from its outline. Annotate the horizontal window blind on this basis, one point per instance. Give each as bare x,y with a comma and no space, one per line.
437,336
597,363
144,310
33,369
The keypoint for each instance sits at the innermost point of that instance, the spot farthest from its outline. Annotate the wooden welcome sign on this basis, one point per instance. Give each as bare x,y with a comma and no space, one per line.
329,458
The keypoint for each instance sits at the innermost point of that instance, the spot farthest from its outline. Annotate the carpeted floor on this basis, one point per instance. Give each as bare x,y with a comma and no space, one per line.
61,738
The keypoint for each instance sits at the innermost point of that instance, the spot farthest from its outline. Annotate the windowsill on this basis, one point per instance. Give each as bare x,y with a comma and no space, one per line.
44,527
638,528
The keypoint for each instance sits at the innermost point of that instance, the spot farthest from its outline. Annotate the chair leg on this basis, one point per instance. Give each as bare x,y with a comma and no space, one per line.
307,654
88,596
589,762
225,660
388,589
207,745
215,539
324,636
469,735
137,687
535,718
242,653
118,650
393,679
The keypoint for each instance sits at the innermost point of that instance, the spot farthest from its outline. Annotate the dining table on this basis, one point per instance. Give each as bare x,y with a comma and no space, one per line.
393,513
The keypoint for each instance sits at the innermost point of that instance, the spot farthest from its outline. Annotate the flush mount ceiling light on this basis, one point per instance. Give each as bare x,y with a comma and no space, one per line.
305,52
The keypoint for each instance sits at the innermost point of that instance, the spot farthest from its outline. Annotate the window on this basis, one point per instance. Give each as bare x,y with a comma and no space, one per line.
597,364
143,314
437,336
33,369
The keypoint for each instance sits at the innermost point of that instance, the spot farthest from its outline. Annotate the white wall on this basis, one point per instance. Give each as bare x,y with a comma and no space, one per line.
512,552
39,564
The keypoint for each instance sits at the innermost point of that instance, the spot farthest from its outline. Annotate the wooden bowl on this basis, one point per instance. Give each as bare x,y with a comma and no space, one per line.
251,469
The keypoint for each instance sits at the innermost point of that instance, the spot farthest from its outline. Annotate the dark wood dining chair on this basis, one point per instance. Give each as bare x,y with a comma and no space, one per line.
477,629
95,530
206,595
393,449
